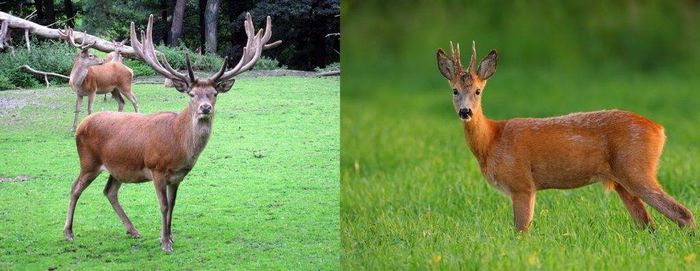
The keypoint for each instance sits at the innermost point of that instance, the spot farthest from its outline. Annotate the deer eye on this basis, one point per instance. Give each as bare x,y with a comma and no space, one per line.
191,94
478,91
455,92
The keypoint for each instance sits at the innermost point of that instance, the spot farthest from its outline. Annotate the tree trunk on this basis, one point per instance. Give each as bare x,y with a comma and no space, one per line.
202,40
164,17
50,13
70,13
176,27
210,24
50,33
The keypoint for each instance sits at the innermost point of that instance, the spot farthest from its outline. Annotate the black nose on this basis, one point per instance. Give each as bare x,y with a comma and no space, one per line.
465,113
205,108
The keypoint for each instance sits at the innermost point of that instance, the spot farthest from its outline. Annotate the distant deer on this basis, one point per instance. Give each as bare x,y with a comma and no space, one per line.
162,147
115,56
523,155
90,76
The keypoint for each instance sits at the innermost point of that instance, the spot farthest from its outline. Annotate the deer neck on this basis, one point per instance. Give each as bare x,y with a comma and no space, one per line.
192,132
78,74
480,133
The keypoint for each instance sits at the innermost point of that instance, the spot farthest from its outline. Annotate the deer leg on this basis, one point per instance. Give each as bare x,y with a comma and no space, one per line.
91,100
635,206
105,98
160,184
132,99
172,194
83,181
78,105
111,192
523,209
120,100
665,204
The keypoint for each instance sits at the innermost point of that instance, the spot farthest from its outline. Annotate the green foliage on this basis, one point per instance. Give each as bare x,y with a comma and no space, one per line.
577,36
267,63
139,68
330,67
47,56
200,62
5,82
262,196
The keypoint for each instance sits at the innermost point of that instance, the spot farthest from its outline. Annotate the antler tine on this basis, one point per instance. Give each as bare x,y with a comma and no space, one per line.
84,46
472,62
67,34
221,71
255,44
146,51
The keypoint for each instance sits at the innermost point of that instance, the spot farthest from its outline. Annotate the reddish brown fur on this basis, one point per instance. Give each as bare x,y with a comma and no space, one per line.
523,155
162,147
112,77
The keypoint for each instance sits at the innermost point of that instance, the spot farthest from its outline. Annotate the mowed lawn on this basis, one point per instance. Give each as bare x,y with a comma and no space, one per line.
263,194
412,196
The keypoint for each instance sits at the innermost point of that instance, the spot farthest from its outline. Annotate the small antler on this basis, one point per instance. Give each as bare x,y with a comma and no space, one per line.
472,62
456,56
67,34
255,44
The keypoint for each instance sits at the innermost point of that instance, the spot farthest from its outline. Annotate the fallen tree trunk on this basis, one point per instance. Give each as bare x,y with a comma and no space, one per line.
45,74
50,33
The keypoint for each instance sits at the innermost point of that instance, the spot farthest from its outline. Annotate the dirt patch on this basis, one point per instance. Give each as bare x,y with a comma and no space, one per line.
16,179
9,103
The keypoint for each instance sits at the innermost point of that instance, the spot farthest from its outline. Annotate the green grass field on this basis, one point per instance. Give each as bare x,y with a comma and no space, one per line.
412,196
263,194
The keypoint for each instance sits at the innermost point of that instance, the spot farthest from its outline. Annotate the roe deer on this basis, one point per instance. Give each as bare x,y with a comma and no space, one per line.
162,147
523,155
90,76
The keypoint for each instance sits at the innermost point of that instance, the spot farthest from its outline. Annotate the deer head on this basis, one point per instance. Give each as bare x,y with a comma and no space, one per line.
467,85
203,91
84,57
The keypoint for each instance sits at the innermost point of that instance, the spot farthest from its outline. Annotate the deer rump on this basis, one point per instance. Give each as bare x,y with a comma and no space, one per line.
123,144
574,150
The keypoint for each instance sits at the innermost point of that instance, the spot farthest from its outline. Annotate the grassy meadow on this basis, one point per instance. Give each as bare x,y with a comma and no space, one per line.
412,195
263,194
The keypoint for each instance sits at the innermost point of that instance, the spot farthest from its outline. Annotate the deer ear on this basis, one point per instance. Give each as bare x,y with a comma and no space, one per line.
180,85
223,87
487,67
445,64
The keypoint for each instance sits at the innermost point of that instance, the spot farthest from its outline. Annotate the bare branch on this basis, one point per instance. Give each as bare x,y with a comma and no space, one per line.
51,33
44,74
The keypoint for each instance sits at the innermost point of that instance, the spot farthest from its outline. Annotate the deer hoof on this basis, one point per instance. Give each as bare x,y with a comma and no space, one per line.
167,247
69,235
134,234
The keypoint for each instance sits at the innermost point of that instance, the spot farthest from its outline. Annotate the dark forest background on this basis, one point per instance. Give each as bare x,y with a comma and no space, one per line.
207,26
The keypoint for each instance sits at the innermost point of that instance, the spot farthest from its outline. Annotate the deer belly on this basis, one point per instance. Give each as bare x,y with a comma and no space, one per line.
569,171
128,175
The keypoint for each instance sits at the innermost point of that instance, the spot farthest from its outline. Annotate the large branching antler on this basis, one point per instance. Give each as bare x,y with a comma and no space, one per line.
256,43
146,50
67,34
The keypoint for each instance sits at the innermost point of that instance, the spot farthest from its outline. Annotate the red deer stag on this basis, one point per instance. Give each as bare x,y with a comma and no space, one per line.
161,147
523,155
90,77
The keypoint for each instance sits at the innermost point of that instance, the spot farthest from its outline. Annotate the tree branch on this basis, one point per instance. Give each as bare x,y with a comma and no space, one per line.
44,74
50,33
